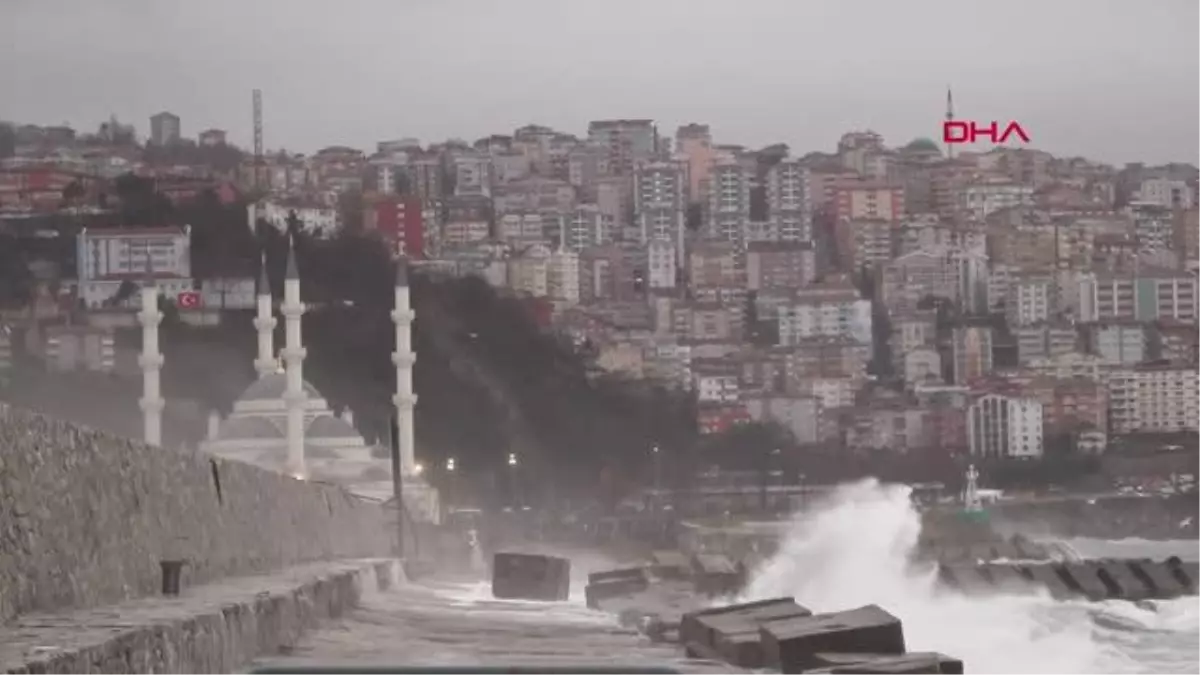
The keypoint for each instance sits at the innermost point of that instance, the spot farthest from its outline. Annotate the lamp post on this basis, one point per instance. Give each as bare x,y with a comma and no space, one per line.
512,472
451,483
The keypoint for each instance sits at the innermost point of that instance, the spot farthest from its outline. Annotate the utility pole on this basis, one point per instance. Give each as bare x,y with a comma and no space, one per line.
397,484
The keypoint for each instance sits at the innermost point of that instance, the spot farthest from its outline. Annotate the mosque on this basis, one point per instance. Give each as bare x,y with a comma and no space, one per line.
282,423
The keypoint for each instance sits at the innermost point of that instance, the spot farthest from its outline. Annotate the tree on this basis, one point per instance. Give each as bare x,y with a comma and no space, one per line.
8,141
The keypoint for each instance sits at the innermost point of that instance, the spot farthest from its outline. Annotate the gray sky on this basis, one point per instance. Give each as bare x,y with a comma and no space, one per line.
1114,80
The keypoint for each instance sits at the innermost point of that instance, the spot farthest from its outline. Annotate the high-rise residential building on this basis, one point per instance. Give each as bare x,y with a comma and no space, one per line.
164,128
584,226
626,140
473,174
695,142
788,203
1005,427
663,264
1168,193
728,200
660,201
1149,295
1152,399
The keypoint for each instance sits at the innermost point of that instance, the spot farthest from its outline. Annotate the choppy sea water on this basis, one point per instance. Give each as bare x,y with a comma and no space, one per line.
851,551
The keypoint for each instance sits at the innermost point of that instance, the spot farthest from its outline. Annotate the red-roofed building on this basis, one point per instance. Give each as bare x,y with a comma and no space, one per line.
400,222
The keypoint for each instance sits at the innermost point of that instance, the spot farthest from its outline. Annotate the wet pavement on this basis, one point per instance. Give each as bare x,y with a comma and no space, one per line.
458,623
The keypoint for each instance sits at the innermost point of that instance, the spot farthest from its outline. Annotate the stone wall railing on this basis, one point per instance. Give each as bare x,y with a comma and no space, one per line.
86,517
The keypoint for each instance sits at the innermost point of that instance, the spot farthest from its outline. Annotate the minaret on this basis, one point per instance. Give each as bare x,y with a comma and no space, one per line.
150,360
264,323
949,118
404,358
293,357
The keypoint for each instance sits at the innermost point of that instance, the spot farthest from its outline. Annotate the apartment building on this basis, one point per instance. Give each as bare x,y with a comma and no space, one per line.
861,199
833,309
626,141
1005,427
1146,295
728,199
788,203
1152,399
781,265
694,141
971,349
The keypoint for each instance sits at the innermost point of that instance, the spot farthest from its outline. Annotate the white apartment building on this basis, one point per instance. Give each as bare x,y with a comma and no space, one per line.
562,277
662,264
521,227
1123,343
1149,296
1004,426
728,200
983,199
1171,194
787,200
832,392
716,388
529,272
1030,299
106,259
831,318
473,174
585,226
1152,400
945,272
660,191
322,221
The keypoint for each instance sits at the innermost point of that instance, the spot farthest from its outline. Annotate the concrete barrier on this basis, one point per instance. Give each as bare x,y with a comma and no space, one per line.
715,574
217,628
913,662
792,645
627,584
732,632
668,564
526,576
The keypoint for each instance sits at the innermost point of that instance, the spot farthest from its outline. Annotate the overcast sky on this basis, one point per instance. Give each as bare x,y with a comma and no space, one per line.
1114,80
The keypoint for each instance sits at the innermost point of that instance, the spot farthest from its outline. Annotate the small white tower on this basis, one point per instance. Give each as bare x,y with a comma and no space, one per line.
404,358
293,356
971,501
151,360
264,323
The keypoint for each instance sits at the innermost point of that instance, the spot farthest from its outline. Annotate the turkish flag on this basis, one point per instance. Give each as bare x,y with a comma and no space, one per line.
188,300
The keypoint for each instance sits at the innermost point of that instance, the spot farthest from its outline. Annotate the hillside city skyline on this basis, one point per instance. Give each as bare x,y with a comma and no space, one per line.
758,74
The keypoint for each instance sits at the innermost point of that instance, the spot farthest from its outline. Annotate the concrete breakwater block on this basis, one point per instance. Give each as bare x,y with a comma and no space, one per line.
731,632
616,575
716,574
1188,573
1094,579
1159,578
670,565
914,662
791,645
615,584
1047,577
525,576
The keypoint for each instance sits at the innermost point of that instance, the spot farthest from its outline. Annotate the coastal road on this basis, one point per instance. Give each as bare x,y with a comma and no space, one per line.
455,623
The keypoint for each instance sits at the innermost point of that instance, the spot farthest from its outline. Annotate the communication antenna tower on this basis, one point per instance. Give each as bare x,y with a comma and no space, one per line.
258,139
949,118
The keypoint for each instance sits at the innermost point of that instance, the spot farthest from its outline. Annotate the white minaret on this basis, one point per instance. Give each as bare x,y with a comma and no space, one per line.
293,357
404,358
150,360
266,363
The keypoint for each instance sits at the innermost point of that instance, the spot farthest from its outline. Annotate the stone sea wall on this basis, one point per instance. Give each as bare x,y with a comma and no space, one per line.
85,517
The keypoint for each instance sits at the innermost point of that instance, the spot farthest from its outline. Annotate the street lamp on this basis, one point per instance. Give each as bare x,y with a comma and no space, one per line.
512,475
450,465
418,468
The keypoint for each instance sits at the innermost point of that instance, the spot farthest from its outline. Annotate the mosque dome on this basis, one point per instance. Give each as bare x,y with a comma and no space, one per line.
272,387
328,426
922,145
249,428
